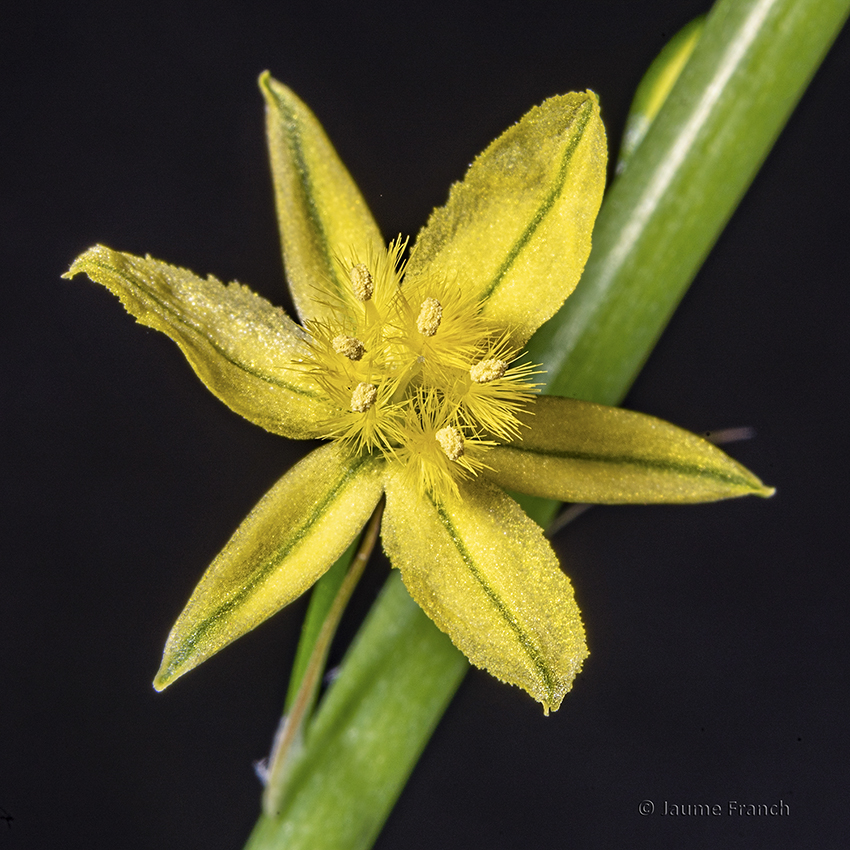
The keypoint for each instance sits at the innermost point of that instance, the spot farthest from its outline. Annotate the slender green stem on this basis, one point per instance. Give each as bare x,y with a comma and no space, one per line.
289,740
321,598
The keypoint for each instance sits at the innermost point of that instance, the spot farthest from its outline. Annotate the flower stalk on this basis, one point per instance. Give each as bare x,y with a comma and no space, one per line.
289,741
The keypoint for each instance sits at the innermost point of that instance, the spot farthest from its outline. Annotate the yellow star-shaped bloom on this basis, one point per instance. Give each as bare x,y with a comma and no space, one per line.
415,374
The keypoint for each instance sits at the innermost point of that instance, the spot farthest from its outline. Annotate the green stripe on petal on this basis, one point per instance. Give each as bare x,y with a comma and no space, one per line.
240,346
576,451
483,572
320,210
516,232
293,536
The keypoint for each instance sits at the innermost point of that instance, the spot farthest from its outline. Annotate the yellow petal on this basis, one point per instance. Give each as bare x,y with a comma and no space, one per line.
241,346
576,451
295,533
483,572
320,210
517,230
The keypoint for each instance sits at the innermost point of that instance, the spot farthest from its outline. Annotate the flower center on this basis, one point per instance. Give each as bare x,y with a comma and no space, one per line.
416,373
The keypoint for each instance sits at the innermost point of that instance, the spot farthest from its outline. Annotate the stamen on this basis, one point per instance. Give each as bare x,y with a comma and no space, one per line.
451,442
430,316
361,282
488,370
363,397
350,346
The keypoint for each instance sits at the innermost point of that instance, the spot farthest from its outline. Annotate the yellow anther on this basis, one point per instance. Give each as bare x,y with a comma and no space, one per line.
451,442
430,316
488,370
350,346
361,282
363,397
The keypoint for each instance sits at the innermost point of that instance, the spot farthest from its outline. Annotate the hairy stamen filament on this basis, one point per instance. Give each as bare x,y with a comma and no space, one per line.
416,373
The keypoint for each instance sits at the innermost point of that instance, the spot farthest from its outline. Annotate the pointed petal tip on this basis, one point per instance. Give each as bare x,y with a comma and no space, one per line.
556,696
172,667
79,264
166,675
756,486
264,81
270,87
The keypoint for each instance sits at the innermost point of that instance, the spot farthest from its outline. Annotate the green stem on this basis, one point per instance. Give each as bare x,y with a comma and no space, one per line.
289,741
321,599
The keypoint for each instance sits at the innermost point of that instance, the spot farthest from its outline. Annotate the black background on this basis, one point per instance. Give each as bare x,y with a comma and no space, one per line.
718,633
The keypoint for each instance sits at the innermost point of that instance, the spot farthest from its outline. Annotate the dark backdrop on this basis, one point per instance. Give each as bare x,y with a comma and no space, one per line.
718,633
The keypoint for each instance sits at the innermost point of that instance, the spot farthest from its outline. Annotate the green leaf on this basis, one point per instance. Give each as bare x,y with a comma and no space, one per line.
293,535
518,226
656,85
576,451
508,607
240,346
319,207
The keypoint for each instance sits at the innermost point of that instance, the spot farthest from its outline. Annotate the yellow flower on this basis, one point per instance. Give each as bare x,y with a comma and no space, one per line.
416,376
